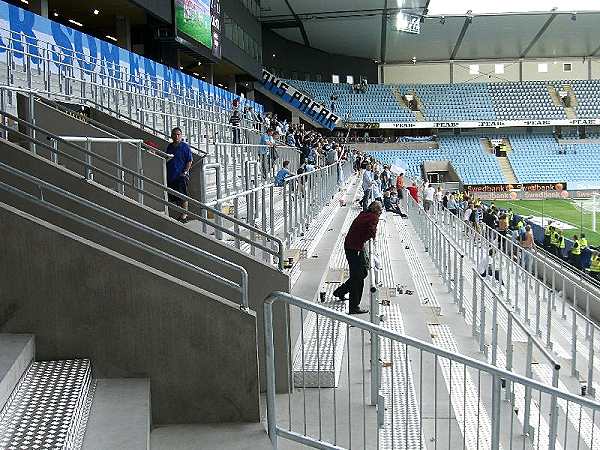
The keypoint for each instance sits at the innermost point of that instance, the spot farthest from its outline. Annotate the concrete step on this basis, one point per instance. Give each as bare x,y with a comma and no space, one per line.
16,354
120,415
48,407
225,436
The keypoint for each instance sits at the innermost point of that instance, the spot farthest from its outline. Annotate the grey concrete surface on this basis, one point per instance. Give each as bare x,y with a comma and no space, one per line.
120,415
271,279
224,436
61,124
81,300
16,354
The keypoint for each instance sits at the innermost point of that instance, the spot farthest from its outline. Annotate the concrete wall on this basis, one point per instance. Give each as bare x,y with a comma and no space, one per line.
270,278
430,73
417,73
83,301
61,124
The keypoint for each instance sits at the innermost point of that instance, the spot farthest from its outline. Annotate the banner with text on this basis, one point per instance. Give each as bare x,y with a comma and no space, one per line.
479,124
302,102
83,55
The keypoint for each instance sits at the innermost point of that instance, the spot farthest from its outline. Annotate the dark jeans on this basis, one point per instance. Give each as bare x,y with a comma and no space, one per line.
236,135
365,200
355,284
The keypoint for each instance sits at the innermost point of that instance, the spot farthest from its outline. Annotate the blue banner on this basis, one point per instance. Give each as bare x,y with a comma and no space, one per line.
25,31
302,102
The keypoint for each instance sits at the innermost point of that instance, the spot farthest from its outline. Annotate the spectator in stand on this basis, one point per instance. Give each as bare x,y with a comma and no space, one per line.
428,197
439,197
290,140
178,169
377,187
282,174
367,186
391,203
528,244
468,213
362,229
235,120
452,205
413,190
400,185
266,142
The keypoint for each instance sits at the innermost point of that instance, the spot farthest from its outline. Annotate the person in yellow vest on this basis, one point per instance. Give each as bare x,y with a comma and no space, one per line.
560,251
547,234
575,253
595,265
583,243
554,241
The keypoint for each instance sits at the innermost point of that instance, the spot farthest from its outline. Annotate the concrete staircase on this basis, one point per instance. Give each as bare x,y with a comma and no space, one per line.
402,102
75,410
507,170
570,111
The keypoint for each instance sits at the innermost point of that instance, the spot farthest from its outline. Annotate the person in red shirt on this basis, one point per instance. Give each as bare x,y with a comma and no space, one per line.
363,228
400,185
414,192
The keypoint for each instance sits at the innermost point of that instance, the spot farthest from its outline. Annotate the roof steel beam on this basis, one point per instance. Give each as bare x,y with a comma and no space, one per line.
539,34
461,36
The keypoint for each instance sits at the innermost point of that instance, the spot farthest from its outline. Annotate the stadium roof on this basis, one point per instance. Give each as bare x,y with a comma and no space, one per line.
367,29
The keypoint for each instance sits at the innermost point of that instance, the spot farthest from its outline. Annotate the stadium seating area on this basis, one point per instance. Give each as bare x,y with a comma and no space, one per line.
473,164
467,101
535,158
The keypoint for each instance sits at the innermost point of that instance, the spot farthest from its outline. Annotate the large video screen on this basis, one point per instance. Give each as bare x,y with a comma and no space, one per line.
200,22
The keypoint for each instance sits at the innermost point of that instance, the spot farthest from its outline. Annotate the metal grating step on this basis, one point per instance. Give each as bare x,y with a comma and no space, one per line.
48,407
320,348
422,283
469,411
402,419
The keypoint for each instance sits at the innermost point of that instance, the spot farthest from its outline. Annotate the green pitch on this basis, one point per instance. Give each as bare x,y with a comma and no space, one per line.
567,211
198,29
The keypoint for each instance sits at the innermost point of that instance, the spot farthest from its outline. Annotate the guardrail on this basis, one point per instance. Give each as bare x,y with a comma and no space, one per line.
47,54
41,187
501,390
141,184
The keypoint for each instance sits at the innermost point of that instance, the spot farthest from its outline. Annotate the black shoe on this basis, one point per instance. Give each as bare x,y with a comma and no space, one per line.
358,311
339,297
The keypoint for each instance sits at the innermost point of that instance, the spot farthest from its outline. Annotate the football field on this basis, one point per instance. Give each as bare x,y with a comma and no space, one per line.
576,213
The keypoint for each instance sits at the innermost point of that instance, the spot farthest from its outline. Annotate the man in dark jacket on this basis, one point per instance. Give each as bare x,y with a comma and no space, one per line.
362,229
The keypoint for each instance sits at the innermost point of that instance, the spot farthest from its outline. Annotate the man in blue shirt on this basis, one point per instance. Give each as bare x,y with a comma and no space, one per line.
178,168
283,173
266,142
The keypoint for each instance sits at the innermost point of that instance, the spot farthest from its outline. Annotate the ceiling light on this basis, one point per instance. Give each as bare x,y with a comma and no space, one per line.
180,67
199,63
220,85
25,1
96,12
55,13
112,38
204,78
74,22
273,55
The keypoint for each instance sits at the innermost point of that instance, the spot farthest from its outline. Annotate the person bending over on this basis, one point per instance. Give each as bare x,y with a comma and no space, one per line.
363,228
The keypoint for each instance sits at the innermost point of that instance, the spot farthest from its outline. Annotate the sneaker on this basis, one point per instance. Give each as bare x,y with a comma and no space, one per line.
358,311
339,297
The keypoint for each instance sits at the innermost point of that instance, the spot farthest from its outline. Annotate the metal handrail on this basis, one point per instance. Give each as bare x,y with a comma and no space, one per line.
551,359
241,287
38,95
497,374
279,243
567,265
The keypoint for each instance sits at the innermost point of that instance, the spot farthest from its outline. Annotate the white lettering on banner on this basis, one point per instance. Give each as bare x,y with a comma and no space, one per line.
307,105
491,123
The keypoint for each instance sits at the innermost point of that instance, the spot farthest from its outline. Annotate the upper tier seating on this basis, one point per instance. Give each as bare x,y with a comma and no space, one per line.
528,100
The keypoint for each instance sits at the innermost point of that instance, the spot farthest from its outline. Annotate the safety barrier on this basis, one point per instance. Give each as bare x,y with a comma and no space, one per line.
41,201
119,178
313,417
